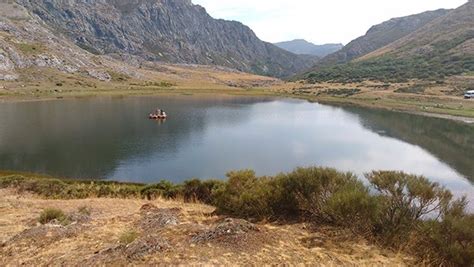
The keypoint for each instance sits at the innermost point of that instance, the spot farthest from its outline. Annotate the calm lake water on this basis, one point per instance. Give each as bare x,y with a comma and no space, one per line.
111,138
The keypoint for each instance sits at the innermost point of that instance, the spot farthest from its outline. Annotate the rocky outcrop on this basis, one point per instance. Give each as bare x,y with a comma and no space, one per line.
26,42
173,31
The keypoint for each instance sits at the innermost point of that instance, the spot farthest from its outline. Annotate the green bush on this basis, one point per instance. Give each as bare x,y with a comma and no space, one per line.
196,190
244,195
448,241
84,210
128,237
353,207
405,199
305,191
50,214
162,189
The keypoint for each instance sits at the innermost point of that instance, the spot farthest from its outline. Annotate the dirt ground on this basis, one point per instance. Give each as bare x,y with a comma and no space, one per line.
169,233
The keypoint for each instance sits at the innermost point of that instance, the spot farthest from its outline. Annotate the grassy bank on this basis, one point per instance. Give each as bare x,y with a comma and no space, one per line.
442,98
396,210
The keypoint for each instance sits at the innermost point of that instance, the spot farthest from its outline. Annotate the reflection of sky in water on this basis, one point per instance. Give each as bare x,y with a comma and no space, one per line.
207,137
280,135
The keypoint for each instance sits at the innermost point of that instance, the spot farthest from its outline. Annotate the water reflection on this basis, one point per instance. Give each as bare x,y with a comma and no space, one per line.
88,138
450,141
208,136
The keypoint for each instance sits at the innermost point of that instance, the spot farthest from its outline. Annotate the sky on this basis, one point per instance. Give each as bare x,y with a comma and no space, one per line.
318,21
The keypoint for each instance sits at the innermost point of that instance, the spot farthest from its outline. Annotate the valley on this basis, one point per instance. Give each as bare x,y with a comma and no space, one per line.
379,126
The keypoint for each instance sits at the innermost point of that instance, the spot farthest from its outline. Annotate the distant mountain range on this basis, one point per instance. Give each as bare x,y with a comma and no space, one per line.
303,47
430,45
175,31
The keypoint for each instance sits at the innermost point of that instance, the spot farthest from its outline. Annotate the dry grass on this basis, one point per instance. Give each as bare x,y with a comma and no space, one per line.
440,100
98,241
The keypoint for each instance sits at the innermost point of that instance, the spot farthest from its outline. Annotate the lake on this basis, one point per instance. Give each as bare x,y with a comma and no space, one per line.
205,137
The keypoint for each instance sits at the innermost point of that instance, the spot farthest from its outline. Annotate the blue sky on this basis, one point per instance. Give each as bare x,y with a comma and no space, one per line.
330,21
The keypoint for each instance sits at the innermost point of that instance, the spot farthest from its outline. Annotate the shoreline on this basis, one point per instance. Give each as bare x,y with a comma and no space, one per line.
120,222
259,92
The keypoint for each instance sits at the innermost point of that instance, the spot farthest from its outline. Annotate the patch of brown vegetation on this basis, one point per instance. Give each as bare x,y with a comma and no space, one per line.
170,233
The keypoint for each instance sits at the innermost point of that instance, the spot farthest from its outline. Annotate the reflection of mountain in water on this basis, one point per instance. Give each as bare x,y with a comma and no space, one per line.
452,142
88,138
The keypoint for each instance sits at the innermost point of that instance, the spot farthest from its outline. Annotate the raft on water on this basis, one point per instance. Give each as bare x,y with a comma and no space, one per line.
159,114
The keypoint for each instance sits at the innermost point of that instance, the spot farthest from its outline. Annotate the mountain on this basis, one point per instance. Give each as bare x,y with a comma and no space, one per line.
449,36
431,45
303,47
36,59
175,31
381,35
26,45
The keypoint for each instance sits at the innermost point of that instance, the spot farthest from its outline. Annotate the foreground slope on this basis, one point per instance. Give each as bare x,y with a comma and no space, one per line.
139,232
174,31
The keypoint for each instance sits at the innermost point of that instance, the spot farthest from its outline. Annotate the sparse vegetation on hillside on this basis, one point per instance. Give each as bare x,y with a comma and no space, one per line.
30,49
391,69
438,48
400,211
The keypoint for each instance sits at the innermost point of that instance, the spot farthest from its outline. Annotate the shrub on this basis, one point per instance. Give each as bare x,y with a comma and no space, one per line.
197,190
449,241
352,207
84,210
128,237
163,189
50,214
322,195
404,200
305,191
244,195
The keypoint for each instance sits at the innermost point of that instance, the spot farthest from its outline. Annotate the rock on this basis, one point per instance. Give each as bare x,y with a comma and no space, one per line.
5,63
100,75
174,31
8,77
145,246
122,254
229,227
45,234
154,218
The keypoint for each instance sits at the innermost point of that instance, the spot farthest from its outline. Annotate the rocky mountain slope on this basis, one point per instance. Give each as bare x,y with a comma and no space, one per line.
25,44
303,47
36,60
438,44
449,36
173,31
381,35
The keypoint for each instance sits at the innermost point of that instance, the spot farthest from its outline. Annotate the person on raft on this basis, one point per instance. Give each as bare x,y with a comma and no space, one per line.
159,113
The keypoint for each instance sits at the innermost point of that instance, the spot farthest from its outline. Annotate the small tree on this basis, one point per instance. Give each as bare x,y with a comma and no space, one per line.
405,199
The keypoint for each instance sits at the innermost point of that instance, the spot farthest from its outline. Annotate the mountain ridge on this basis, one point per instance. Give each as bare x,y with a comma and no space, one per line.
303,47
440,44
381,35
166,31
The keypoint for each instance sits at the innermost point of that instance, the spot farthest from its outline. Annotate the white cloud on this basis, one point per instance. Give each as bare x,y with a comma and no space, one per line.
318,21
